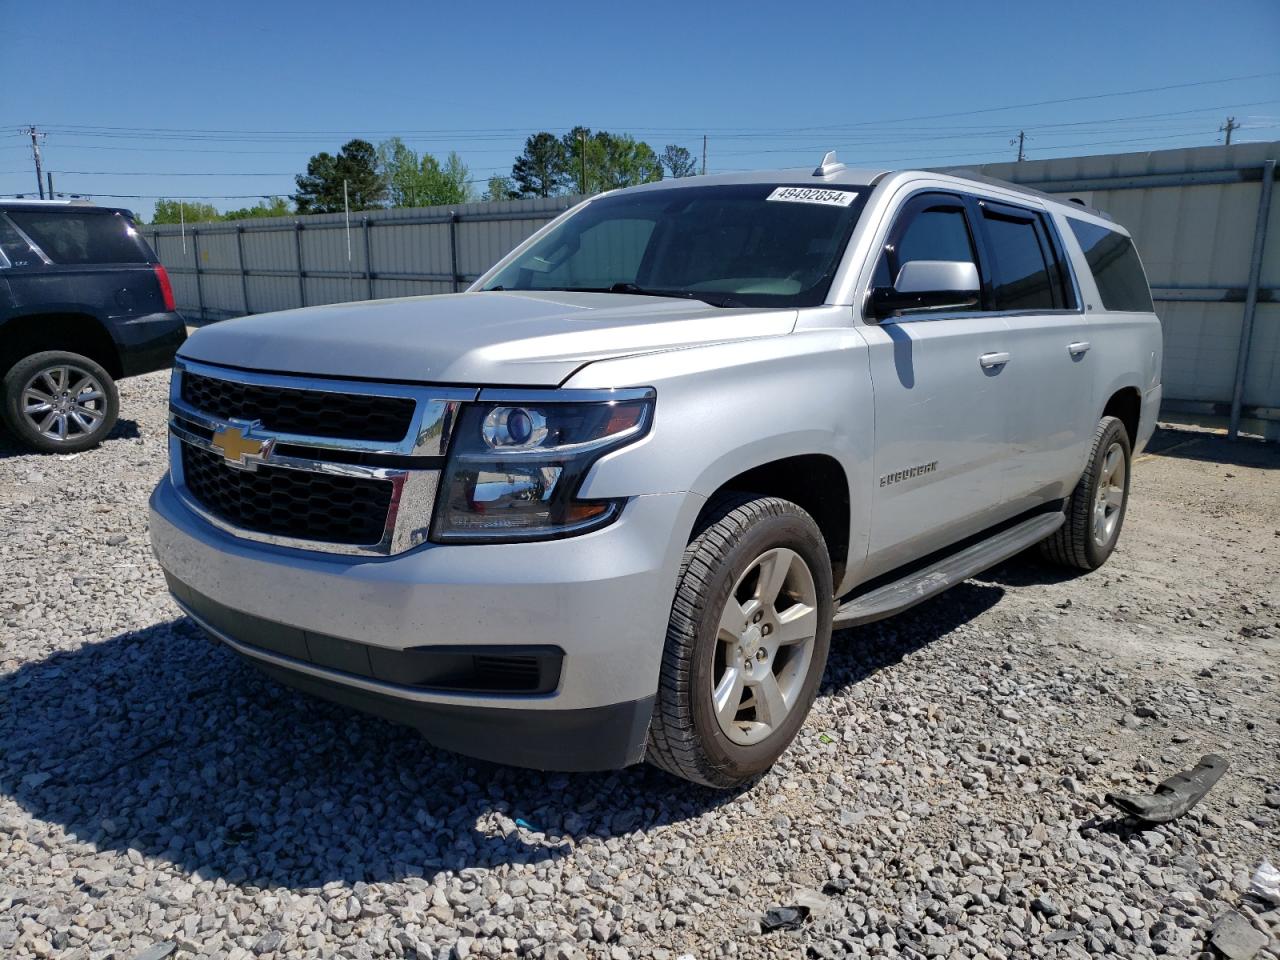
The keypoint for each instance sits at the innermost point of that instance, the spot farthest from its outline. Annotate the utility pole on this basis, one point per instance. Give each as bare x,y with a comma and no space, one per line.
704,154
1021,142
1228,127
36,136
48,175
582,136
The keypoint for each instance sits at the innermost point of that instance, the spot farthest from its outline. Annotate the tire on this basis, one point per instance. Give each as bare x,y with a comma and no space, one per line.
744,545
38,402
1086,540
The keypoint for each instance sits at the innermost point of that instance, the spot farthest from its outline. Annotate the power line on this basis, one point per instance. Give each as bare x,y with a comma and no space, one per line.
1045,103
499,132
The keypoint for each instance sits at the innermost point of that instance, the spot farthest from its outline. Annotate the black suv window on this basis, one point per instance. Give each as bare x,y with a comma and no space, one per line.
1024,272
931,227
1116,268
81,236
14,250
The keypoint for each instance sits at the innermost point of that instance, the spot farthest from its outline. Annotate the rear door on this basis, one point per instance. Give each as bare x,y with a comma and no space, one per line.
1051,415
942,398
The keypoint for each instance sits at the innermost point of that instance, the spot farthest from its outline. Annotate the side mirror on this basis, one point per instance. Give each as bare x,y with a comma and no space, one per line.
928,285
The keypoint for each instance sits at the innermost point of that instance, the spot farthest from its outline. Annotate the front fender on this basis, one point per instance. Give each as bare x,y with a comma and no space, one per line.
727,408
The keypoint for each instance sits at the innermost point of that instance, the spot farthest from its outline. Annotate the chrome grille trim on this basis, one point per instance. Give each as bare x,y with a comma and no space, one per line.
415,488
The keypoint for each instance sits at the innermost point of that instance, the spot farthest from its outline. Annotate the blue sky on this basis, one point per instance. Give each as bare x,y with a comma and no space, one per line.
231,98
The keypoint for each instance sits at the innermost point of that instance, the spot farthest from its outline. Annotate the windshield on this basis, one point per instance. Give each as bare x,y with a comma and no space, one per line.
767,245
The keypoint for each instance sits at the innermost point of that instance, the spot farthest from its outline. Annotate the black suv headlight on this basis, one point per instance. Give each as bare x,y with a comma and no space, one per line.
516,462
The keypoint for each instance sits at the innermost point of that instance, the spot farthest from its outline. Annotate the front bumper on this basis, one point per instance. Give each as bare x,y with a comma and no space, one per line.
603,599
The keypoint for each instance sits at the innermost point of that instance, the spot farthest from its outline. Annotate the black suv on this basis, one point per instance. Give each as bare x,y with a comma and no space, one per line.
83,302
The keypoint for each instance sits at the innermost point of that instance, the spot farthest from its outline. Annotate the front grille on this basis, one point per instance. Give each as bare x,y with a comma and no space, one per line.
292,503
316,413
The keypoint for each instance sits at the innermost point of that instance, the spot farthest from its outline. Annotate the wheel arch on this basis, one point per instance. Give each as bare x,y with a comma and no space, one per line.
79,333
817,483
1125,404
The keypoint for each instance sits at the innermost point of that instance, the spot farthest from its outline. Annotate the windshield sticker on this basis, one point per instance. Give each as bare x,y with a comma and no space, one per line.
829,198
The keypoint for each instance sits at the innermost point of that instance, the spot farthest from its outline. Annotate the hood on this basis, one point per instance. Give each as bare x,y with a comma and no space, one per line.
494,338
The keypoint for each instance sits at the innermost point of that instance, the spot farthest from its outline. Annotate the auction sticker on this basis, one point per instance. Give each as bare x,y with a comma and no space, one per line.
829,198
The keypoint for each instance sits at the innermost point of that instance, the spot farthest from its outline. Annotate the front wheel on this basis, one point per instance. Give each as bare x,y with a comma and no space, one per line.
746,644
59,402
1096,508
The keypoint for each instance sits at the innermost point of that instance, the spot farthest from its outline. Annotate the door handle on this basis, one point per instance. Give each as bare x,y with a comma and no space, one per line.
1079,348
989,360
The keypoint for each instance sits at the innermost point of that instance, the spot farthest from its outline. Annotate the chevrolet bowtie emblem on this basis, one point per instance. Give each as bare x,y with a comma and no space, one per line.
238,448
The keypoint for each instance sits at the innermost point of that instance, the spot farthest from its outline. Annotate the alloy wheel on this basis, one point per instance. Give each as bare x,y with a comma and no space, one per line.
1109,500
64,402
764,646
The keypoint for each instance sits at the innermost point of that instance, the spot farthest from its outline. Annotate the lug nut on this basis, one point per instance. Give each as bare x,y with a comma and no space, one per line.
758,617
766,630
761,654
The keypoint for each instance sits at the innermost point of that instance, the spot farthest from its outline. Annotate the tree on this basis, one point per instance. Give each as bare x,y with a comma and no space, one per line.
455,180
320,188
270,207
178,211
414,181
678,162
540,170
627,162
606,161
500,188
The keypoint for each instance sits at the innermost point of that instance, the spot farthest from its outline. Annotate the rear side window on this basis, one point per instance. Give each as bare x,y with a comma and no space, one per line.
14,250
1023,270
67,237
1116,269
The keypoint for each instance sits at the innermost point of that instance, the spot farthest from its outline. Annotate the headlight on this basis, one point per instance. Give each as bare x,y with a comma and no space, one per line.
515,465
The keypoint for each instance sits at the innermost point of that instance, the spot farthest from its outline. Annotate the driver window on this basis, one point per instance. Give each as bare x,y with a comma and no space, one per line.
935,230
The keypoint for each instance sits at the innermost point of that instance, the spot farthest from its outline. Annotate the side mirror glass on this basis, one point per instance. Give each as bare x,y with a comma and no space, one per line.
929,285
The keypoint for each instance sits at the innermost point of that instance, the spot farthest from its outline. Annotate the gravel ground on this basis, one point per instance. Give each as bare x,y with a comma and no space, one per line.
159,798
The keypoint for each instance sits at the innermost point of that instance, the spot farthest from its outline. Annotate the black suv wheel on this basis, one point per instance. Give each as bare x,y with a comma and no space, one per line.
58,402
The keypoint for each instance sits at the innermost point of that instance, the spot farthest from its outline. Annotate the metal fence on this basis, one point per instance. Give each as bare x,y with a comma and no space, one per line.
1205,223
1200,218
222,270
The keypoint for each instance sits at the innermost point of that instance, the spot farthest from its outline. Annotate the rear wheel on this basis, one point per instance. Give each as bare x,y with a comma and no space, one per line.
1095,511
746,644
58,402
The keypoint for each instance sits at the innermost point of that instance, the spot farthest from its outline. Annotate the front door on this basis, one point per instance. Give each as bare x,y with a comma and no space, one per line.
942,396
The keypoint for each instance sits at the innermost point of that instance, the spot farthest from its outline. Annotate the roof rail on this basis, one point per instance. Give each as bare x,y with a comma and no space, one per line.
966,174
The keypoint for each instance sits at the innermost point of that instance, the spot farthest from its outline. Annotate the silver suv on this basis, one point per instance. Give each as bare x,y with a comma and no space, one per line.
609,504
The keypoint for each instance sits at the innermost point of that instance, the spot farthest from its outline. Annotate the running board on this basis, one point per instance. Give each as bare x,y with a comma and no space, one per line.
917,587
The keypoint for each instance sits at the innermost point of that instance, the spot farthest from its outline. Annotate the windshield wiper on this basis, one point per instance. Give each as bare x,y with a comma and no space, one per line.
625,286
714,299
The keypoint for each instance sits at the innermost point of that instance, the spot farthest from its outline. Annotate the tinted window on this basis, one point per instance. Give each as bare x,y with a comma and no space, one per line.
1022,277
607,251
78,237
733,245
15,251
1116,269
937,231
